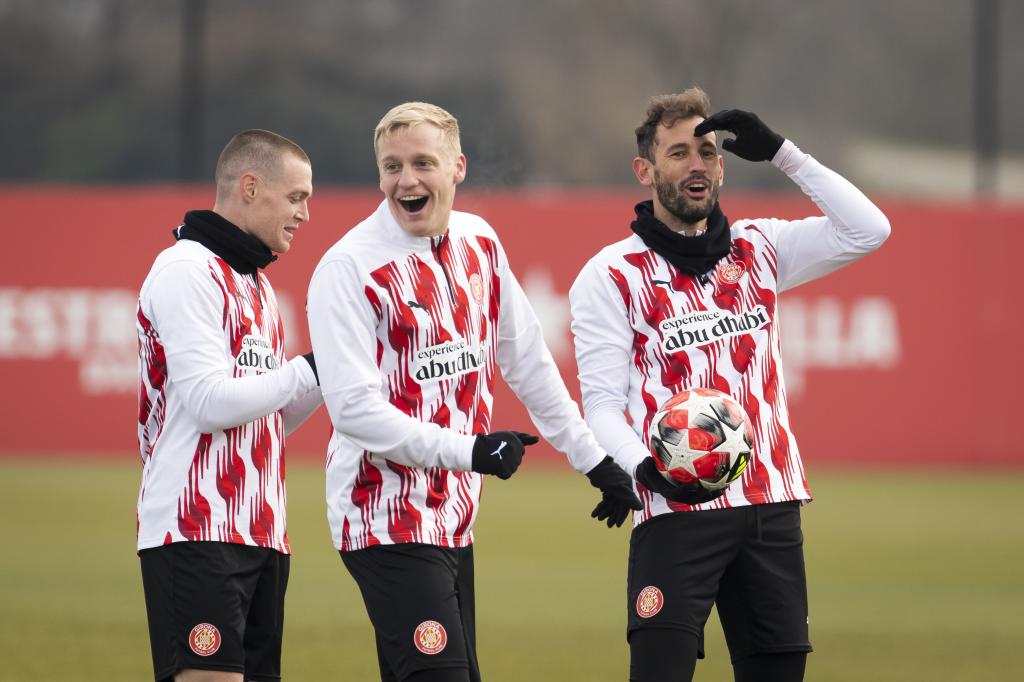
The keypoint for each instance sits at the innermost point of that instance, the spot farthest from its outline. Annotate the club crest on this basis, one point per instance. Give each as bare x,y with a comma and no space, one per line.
430,637
649,602
476,287
204,639
731,273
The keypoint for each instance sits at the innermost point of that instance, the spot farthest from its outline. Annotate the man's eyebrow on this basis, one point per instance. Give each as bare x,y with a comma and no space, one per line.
418,157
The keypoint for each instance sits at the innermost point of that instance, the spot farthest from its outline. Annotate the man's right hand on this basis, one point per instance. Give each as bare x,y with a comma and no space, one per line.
647,473
501,452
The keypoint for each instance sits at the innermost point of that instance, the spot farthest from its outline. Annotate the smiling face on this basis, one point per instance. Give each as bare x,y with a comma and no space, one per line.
419,169
685,175
278,202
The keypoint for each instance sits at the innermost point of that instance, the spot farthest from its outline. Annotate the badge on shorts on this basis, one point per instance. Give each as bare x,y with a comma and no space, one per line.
649,602
430,637
204,639
731,273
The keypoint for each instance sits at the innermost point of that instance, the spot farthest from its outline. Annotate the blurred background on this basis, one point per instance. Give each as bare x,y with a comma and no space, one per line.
906,96
903,369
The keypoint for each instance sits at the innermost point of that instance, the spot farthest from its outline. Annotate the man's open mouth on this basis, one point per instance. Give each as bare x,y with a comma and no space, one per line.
697,189
413,204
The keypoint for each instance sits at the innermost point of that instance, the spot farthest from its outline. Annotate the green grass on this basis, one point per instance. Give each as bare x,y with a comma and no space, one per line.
910,578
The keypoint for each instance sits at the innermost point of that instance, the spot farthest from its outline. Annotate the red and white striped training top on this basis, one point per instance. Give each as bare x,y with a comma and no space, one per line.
409,333
216,398
644,330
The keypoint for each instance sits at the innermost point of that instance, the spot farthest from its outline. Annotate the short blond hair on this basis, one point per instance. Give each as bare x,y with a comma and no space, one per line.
412,114
253,151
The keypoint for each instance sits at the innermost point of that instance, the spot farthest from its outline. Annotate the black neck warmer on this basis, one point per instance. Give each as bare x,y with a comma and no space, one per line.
243,252
693,255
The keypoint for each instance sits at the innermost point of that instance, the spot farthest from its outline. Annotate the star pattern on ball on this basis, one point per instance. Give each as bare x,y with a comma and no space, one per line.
735,438
699,438
684,455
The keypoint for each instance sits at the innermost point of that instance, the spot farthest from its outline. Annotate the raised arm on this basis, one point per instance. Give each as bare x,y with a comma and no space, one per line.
852,225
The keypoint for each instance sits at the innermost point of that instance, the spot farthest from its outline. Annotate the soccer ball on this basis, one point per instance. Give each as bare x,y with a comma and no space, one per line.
701,437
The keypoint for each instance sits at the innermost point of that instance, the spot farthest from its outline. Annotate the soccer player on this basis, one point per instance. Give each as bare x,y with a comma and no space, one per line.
691,548
411,314
216,398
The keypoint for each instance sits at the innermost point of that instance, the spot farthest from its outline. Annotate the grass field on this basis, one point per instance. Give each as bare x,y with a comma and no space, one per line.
913,578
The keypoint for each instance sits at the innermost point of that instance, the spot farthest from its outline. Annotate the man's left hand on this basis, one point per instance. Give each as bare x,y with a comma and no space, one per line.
754,140
617,496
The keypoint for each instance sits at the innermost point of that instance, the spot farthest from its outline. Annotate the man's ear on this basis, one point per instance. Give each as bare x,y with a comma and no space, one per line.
460,169
248,184
644,171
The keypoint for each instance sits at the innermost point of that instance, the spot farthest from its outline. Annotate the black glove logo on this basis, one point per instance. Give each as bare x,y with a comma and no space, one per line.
500,453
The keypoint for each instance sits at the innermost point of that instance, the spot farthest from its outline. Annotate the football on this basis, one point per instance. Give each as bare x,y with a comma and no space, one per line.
701,436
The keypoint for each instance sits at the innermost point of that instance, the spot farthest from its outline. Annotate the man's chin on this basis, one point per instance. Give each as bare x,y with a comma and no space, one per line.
692,212
417,228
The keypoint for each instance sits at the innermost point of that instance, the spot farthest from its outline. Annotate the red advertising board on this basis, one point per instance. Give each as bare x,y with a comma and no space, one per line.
907,356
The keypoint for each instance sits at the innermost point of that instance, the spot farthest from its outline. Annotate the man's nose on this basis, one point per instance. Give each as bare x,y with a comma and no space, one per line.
408,177
303,214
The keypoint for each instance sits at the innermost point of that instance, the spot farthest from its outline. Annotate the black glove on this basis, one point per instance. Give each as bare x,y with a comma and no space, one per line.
501,452
754,140
312,365
647,473
617,496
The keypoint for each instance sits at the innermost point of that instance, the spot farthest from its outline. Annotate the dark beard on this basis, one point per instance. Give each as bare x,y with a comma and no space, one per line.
680,205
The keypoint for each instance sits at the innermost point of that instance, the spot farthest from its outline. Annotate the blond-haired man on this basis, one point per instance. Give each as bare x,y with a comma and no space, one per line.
411,315
216,399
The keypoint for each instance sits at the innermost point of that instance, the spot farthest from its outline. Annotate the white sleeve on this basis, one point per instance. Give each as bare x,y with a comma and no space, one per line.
604,342
301,409
187,310
530,371
851,227
342,327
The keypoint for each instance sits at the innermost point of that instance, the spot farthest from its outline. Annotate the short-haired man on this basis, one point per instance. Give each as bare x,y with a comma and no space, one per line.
690,548
216,399
411,314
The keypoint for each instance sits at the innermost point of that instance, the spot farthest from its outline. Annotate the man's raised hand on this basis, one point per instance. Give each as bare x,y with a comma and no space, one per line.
754,140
